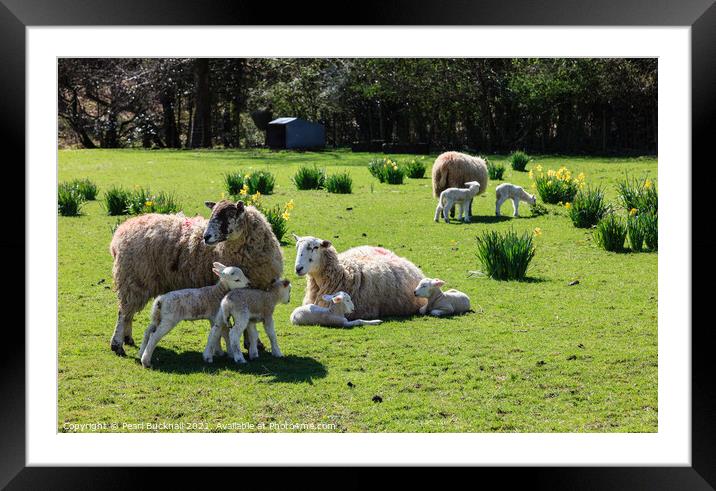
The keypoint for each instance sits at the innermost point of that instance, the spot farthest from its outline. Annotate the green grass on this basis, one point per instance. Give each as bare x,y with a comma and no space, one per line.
535,356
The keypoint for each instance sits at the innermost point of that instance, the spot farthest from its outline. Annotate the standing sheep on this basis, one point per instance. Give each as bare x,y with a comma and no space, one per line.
380,282
154,254
506,191
457,196
453,169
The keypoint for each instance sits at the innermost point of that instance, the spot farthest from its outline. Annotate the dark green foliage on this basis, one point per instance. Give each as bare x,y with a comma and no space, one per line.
538,209
340,183
519,160
142,200
650,229
495,171
69,200
505,255
639,194
611,233
261,181
588,207
116,201
309,178
279,224
86,188
415,168
635,232
387,170
250,182
234,183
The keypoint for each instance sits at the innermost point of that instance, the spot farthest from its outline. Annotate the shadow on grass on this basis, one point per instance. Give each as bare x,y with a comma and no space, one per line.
290,368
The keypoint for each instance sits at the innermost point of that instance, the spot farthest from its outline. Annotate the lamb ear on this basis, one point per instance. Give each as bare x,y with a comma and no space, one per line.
217,272
218,265
338,299
240,206
210,204
328,298
437,282
326,243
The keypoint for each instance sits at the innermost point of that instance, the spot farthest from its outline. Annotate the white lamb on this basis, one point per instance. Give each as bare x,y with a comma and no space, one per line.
248,306
516,193
339,305
441,303
189,304
453,196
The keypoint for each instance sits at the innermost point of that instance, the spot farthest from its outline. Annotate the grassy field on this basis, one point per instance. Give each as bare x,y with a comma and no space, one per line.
536,356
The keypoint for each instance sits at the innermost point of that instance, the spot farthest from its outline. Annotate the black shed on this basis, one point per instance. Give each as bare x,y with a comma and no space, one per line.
291,133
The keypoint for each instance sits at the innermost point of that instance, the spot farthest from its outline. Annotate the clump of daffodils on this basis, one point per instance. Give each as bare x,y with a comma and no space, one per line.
556,186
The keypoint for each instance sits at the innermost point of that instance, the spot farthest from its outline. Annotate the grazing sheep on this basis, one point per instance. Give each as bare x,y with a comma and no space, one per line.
516,193
441,303
452,169
339,305
154,254
246,307
190,304
457,196
379,282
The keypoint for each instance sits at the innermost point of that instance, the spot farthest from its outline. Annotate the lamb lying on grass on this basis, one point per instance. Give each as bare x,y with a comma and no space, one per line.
189,304
453,196
339,305
516,193
248,306
441,303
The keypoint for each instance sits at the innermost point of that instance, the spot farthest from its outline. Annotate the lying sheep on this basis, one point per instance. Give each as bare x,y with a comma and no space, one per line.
516,193
441,303
379,281
190,304
457,196
246,307
155,254
339,305
451,169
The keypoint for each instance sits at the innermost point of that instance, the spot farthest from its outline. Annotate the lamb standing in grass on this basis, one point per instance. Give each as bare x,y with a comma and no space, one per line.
248,306
379,281
339,305
516,193
441,303
459,196
189,304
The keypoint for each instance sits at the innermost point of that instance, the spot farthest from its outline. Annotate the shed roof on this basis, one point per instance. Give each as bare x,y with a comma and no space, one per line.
282,120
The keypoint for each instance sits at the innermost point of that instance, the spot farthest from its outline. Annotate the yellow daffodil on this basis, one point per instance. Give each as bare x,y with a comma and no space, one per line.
647,184
568,205
581,176
531,174
289,205
247,176
286,215
538,168
537,231
633,211
149,203
560,204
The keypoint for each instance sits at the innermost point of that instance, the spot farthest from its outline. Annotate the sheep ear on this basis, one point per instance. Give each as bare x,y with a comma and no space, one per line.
216,272
286,283
218,265
437,282
296,237
326,243
240,206
328,298
338,299
210,204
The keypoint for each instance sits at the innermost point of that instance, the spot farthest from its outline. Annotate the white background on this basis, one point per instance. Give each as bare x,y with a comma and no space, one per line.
671,445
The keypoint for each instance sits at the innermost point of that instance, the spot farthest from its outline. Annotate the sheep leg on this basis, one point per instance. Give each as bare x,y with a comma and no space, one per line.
214,336
515,207
147,333
469,210
124,322
446,209
360,322
227,341
271,333
240,324
498,204
438,211
446,310
252,335
162,329
465,211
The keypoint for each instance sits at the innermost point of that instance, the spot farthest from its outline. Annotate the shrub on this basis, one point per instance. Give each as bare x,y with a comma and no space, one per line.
116,201
415,169
309,178
610,233
142,200
538,209
650,229
556,186
635,231
588,207
505,256
519,160
638,193
495,171
387,170
339,183
69,200
278,216
86,188
261,181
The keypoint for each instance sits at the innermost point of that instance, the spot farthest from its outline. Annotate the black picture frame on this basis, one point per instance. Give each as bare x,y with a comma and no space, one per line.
16,15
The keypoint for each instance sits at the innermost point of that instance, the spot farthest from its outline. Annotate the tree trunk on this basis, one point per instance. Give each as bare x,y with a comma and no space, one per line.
169,127
201,124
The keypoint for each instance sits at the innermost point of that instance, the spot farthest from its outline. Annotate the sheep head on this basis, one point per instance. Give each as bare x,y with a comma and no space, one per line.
308,254
224,221
342,301
428,286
